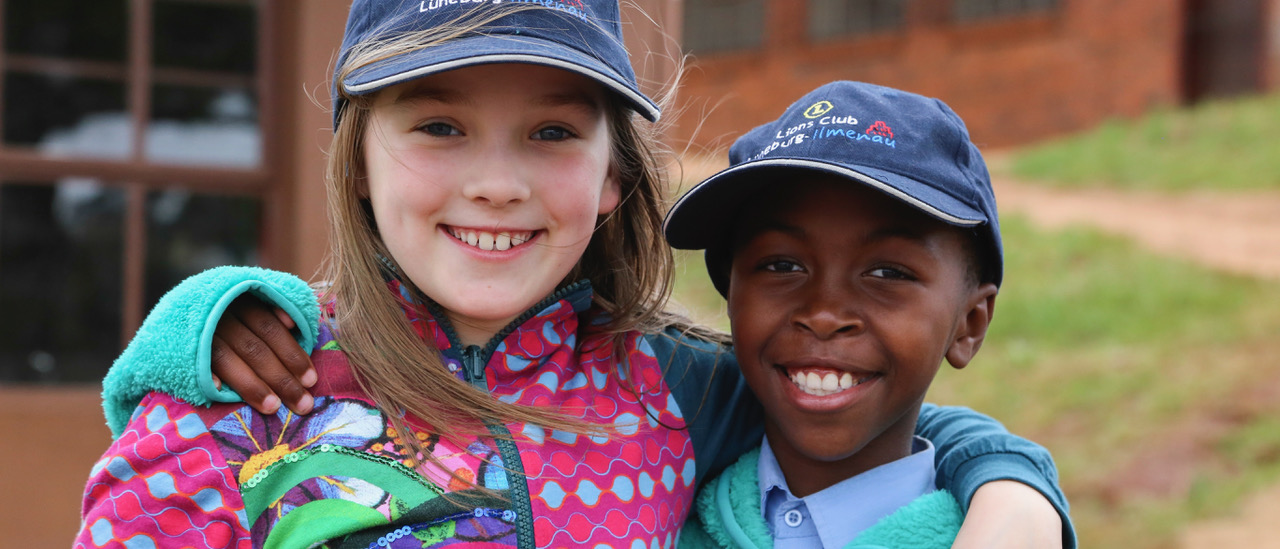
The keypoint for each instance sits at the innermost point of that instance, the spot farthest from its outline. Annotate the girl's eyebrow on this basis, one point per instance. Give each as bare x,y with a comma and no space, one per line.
575,99
427,94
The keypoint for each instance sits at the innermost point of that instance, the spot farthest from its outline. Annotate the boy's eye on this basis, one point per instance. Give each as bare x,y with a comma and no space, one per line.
782,266
552,133
890,273
440,129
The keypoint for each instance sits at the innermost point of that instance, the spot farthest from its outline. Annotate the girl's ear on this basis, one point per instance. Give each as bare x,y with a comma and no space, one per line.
971,329
611,194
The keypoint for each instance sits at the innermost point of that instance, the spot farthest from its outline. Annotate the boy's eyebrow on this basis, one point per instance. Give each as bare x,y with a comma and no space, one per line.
897,231
884,233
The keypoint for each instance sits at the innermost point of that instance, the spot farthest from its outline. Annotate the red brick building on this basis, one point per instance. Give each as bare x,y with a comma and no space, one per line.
1014,70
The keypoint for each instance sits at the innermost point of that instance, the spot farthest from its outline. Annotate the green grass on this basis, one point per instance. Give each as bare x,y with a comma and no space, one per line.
1223,145
1098,347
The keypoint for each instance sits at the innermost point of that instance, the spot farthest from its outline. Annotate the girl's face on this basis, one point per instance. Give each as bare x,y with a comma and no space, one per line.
486,184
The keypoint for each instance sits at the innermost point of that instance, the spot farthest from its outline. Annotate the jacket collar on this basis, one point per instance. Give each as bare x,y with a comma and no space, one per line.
552,322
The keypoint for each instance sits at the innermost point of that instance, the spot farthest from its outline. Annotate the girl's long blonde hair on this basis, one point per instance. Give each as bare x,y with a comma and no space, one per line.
627,261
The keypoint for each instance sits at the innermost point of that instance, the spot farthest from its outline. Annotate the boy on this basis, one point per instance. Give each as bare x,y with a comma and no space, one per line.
856,241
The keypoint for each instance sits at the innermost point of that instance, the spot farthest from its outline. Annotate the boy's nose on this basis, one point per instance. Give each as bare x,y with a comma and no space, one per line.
827,315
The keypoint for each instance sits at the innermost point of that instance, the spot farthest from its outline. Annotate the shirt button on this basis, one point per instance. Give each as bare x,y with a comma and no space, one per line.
793,518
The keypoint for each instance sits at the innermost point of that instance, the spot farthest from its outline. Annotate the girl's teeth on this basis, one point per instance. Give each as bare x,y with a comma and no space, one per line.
846,381
490,241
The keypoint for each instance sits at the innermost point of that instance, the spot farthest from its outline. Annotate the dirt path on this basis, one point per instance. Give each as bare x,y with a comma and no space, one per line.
1238,233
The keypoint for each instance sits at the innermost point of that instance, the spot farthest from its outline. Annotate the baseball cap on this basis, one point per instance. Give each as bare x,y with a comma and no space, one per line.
582,36
910,147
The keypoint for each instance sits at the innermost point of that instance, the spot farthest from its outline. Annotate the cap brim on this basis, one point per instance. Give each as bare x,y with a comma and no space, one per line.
494,48
703,216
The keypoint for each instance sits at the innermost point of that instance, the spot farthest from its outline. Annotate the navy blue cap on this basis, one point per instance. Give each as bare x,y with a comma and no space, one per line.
582,36
913,148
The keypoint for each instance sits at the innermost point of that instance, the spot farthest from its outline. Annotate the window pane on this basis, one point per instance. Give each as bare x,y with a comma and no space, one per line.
205,126
67,116
964,10
834,18
206,36
60,280
77,29
717,25
188,233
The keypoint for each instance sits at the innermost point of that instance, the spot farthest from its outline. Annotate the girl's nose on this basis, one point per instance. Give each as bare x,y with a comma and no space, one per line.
498,184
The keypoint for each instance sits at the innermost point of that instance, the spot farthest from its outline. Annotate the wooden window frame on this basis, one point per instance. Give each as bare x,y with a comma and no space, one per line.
137,176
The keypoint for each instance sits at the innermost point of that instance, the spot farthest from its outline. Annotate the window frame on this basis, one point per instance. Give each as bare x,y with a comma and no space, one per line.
813,36
137,176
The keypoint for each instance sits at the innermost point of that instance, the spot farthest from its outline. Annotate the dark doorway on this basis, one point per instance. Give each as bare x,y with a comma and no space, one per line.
1223,48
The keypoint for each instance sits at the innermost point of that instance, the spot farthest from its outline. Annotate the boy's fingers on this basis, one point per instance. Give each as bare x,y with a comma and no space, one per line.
260,361
227,366
284,318
266,326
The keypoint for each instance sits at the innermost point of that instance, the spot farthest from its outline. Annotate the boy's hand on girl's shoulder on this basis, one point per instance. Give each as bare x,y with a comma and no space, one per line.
255,353
1007,514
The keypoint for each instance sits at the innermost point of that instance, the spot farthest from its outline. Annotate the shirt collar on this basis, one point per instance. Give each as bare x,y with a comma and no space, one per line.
843,510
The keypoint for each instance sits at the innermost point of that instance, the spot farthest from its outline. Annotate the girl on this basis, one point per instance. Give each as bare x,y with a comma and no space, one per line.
493,365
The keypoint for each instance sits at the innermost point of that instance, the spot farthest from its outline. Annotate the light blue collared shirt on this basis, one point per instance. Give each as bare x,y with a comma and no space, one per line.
831,518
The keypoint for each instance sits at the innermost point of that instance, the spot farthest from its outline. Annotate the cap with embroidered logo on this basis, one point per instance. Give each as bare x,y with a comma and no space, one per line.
582,36
910,147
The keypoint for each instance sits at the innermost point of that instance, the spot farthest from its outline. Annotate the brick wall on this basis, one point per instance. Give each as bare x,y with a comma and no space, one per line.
1013,80
1272,71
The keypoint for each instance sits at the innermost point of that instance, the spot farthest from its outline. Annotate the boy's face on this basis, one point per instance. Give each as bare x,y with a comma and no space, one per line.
843,304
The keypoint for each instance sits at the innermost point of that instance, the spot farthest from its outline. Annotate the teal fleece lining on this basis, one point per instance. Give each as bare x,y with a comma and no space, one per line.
171,351
204,364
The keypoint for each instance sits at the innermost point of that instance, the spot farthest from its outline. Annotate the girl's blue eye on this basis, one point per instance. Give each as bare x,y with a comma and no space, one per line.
440,128
552,133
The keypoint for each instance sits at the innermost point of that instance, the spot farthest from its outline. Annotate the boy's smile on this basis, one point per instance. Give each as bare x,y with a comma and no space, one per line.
843,303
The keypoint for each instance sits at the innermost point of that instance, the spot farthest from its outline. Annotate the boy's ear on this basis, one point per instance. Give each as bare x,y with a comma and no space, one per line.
611,194
971,329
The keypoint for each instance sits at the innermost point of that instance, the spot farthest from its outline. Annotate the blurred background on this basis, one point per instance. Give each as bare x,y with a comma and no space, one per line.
1135,146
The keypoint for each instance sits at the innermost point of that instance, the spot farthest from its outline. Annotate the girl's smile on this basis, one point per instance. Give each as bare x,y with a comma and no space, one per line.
487,183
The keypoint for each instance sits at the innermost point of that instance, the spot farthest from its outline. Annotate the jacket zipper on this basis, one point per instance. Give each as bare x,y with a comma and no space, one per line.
474,360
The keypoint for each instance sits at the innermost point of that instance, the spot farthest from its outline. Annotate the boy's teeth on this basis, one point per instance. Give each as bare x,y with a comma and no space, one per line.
830,383
825,384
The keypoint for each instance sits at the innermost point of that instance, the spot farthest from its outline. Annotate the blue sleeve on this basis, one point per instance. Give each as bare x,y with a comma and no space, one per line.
973,449
171,351
723,417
